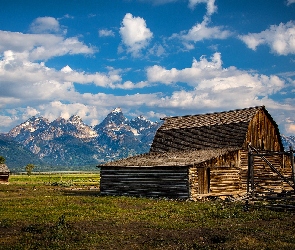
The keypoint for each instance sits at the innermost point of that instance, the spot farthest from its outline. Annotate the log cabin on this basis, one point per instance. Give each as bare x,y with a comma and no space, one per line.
199,155
4,173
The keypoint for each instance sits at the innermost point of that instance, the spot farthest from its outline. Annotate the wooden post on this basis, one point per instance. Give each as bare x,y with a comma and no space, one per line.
292,163
250,171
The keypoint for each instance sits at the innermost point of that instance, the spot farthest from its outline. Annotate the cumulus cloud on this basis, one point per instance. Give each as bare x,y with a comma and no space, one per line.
135,34
215,86
51,93
131,85
105,33
202,69
56,109
211,7
201,31
41,47
280,38
46,25
24,82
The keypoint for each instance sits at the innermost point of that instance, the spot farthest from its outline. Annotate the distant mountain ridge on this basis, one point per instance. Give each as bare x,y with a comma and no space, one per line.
71,144
288,141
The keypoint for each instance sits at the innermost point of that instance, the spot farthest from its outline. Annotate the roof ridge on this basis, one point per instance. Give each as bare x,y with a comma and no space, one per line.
212,113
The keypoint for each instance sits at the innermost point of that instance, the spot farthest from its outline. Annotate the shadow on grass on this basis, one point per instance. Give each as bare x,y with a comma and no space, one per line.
81,192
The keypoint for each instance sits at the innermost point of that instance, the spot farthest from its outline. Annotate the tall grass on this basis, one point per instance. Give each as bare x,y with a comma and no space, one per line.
36,213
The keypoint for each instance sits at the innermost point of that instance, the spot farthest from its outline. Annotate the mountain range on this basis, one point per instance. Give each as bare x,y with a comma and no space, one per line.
70,144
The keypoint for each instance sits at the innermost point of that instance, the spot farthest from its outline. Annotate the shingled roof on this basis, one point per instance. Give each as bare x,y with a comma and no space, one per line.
214,130
180,158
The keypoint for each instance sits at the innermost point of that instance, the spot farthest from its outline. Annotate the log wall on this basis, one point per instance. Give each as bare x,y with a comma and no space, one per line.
217,176
225,180
170,182
193,183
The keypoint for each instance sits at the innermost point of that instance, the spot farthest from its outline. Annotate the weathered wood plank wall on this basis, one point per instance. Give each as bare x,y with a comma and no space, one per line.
170,182
264,178
225,180
263,134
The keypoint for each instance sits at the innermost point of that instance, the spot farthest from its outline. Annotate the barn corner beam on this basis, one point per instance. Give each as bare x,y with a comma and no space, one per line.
250,176
292,164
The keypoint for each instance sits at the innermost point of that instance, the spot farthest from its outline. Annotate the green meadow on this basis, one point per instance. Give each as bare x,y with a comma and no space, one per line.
66,211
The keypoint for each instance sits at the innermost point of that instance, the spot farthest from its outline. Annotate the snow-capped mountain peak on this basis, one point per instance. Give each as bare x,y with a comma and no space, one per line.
75,119
29,126
71,142
117,110
288,141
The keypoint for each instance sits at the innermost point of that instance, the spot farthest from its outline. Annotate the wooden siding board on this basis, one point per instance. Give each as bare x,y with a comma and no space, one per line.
153,182
263,133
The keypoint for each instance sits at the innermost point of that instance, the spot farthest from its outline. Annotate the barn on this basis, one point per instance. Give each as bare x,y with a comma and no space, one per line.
193,156
4,173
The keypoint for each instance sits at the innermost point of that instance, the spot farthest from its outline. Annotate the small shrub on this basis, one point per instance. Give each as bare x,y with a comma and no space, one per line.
62,183
2,160
29,168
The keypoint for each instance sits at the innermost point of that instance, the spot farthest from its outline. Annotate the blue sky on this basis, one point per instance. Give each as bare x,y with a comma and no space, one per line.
154,58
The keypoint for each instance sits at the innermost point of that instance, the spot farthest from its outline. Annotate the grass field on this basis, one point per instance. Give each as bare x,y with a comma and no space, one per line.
66,211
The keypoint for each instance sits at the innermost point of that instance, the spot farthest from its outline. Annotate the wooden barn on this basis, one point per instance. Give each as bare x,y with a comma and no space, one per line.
4,173
193,156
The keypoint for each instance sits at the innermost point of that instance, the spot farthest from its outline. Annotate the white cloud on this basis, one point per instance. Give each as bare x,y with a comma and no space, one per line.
135,34
215,86
24,82
199,70
66,69
56,109
6,121
41,47
211,7
290,2
280,38
105,33
45,25
157,50
201,31
152,114
131,85
290,128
